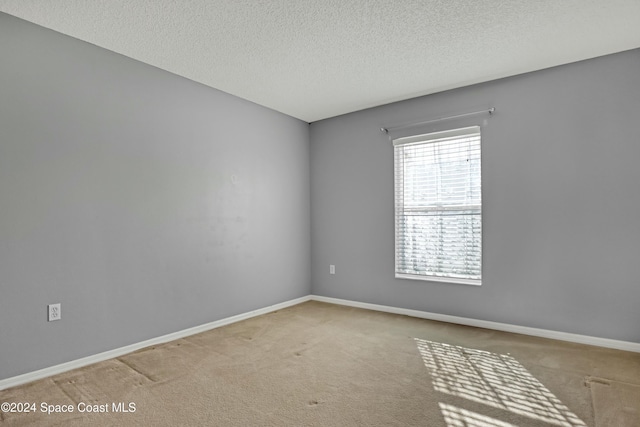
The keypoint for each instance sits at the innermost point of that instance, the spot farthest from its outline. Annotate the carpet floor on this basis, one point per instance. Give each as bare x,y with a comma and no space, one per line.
318,364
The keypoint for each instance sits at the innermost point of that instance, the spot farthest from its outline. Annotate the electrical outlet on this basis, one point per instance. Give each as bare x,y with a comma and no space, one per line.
55,312
332,269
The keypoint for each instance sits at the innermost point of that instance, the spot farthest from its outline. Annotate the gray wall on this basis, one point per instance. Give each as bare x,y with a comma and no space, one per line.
143,202
561,202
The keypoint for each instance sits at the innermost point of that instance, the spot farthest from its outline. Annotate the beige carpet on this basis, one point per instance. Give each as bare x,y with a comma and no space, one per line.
319,364
615,403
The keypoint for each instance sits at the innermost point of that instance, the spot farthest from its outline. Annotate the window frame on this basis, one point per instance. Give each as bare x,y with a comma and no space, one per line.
427,138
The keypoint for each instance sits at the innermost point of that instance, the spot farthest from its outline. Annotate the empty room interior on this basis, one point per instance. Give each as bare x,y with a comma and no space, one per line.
293,213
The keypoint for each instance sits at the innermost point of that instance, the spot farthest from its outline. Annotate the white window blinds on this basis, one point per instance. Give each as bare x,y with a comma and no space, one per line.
438,206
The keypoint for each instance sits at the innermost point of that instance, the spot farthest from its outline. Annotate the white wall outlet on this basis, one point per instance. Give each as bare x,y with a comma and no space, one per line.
332,269
55,312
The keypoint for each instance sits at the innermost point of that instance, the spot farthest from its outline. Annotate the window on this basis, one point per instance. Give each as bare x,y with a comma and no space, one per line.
438,206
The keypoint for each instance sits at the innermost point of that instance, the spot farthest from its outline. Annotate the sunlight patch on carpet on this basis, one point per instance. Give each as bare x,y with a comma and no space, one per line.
492,379
458,417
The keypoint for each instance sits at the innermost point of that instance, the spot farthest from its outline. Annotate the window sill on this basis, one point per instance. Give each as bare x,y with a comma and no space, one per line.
455,280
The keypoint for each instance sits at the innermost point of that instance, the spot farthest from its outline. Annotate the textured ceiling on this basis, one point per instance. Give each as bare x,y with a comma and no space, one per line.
314,59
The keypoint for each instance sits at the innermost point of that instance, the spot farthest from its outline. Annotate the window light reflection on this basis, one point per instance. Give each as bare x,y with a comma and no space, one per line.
492,379
458,417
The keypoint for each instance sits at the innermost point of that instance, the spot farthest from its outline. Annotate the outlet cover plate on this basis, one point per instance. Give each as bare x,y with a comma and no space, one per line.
55,312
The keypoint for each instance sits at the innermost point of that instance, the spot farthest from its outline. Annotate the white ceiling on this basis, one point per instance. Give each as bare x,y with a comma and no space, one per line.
314,59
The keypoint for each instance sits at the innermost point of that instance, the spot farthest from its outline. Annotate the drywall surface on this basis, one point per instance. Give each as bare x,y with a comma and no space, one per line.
560,184
143,202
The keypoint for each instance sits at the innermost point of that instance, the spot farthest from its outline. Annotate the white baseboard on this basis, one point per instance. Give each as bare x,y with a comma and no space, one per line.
524,330
544,333
79,363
